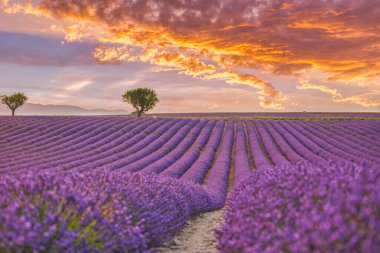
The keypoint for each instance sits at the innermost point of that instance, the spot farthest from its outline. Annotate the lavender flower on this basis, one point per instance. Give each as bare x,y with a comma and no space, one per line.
304,209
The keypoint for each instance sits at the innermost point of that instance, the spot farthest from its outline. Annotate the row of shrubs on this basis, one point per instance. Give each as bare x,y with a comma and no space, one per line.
304,209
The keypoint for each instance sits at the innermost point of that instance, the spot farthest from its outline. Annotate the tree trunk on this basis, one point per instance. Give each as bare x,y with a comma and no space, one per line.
139,113
13,113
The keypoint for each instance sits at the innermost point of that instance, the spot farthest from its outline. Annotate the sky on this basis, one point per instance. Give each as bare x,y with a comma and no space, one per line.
200,56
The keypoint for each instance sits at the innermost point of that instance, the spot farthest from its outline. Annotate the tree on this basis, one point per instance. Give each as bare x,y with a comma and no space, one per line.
14,101
142,99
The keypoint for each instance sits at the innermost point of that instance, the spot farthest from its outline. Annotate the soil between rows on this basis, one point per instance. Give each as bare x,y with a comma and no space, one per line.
197,236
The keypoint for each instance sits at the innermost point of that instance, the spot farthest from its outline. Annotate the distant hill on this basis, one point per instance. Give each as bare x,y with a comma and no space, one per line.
38,109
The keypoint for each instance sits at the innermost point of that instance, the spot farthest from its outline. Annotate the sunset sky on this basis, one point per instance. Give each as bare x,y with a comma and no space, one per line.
199,55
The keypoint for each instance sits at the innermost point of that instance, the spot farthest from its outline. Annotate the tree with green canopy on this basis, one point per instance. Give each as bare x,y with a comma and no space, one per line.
14,101
142,99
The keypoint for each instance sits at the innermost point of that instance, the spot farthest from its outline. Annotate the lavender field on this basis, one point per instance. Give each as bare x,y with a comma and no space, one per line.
118,184
189,126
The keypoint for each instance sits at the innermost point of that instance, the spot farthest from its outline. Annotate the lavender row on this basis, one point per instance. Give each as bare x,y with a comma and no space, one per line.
151,157
76,136
81,137
199,168
176,153
217,181
124,147
183,163
94,212
33,125
315,144
283,145
242,163
343,151
15,147
260,158
363,143
304,151
325,209
269,145
91,152
34,132
147,146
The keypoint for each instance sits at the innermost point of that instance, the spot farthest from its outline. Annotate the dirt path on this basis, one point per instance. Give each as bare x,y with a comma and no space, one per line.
197,236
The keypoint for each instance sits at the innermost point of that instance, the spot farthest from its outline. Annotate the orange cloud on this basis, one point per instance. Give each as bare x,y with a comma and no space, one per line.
189,65
306,85
9,8
370,99
269,97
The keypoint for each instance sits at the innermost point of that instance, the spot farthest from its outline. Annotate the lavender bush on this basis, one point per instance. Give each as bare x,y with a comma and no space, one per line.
95,211
304,209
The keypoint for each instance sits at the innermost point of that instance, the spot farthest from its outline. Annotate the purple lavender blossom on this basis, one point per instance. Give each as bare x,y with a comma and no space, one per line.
304,209
97,211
